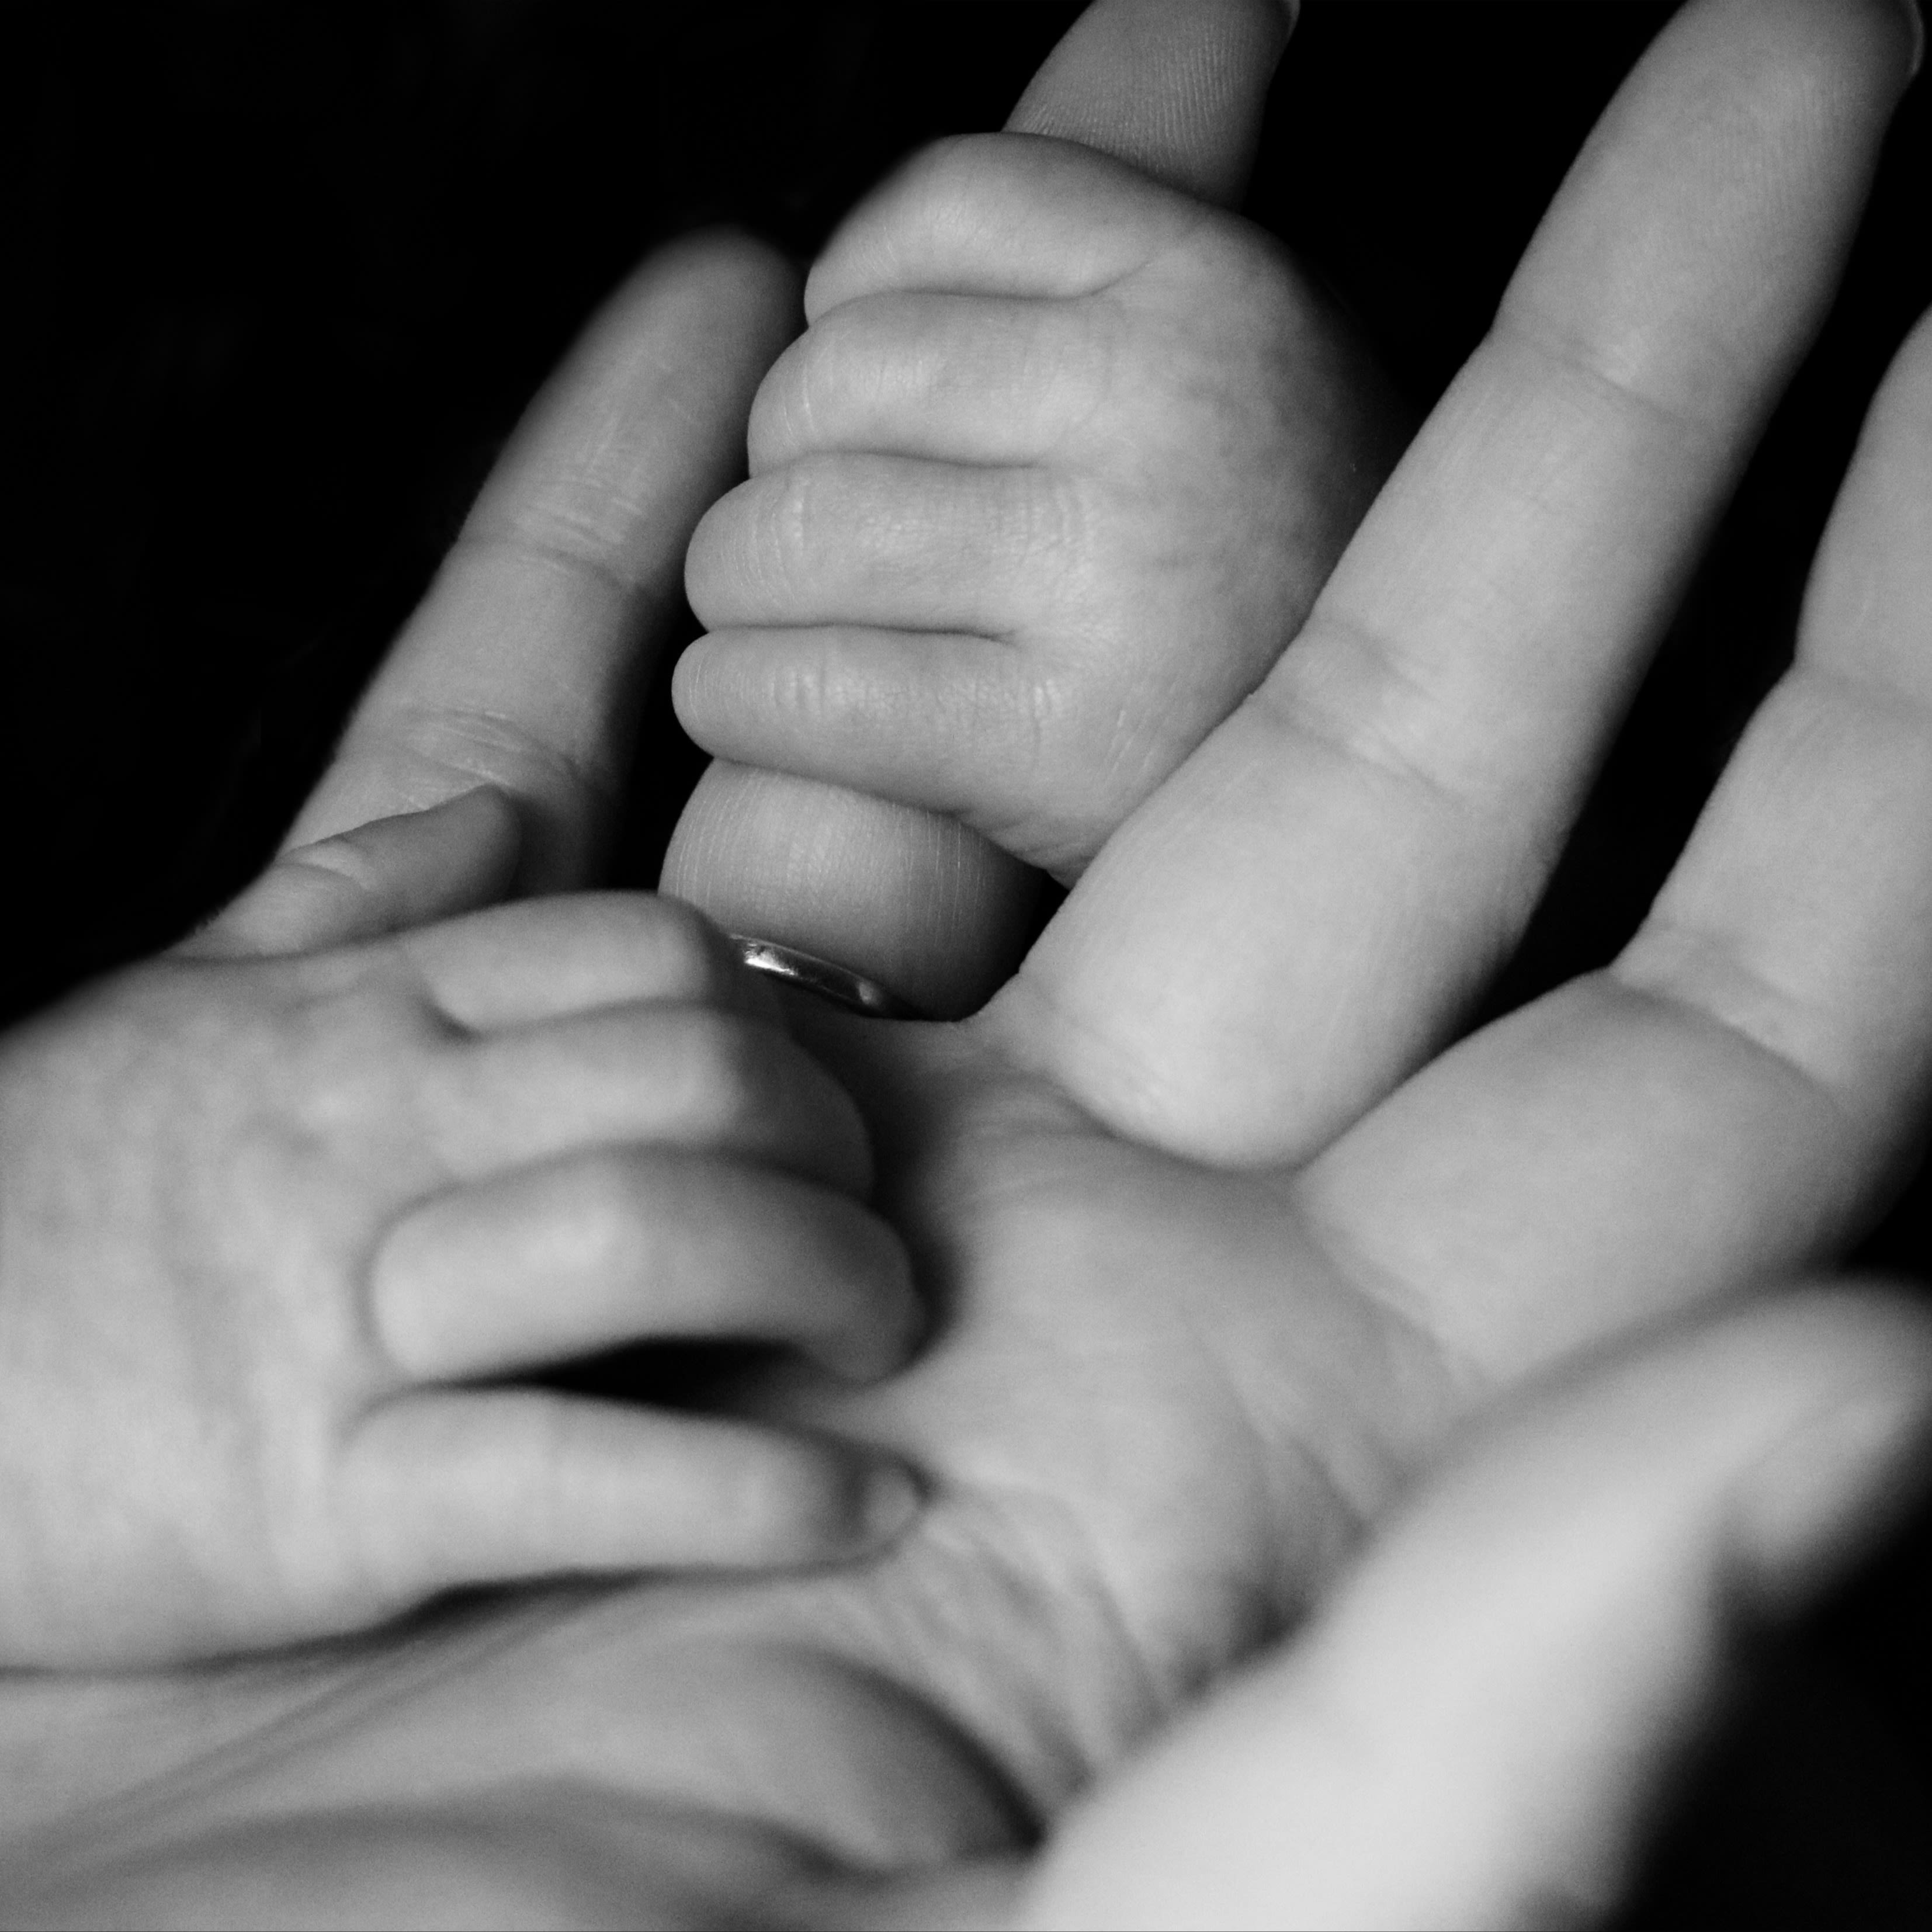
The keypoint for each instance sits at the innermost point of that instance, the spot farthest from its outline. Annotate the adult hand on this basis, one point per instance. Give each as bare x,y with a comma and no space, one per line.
1477,1728
1170,1396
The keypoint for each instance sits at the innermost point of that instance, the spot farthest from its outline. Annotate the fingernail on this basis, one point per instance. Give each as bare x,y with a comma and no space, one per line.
893,1498
1915,26
1831,1489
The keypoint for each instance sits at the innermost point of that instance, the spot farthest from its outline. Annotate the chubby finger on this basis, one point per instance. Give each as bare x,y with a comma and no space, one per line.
621,1245
982,730
541,959
1298,918
960,379
930,717
846,537
985,215
657,1072
384,877
1476,1729
523,666
449,1488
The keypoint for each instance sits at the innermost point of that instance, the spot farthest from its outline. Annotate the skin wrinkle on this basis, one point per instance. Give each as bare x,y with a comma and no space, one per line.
1570,356
1042,1750
1287,704
504,752
549,533
343,1682
1707,982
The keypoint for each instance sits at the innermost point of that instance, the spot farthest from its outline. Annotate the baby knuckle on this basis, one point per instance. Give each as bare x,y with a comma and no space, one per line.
754,546
783,422
714,564
945,182
1050,517
801,511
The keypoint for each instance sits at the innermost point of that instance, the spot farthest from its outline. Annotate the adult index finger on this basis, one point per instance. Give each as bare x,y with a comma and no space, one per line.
523,666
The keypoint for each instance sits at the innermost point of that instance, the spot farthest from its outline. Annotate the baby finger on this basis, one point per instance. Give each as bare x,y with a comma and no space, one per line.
449,1488
679,1076
627,1244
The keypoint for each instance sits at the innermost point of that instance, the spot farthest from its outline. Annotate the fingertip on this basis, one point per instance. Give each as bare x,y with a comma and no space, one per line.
890,1497
832,1503
735,264
1176,91
888,1321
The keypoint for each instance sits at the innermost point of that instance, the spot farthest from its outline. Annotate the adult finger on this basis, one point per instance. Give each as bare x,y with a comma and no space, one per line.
633,1244
1734,1095
378,878
1175,87
680,1076
523,666
1306,908
913,899
1475,1730
449,1488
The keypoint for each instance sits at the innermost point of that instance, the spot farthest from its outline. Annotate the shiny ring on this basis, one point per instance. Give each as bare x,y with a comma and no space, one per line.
839,984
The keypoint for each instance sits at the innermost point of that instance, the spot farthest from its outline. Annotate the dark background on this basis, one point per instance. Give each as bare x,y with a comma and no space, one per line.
280,279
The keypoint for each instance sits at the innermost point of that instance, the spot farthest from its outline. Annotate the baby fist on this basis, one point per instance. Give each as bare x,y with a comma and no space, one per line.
1049,482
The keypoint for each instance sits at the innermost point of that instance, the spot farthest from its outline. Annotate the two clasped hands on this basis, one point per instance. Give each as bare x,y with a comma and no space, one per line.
1235,1451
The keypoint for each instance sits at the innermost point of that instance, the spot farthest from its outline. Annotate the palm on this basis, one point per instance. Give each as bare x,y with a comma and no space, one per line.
1128,1430
1216,1246
1170,1386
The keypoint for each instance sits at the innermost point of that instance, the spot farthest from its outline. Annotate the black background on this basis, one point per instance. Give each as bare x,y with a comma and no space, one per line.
279,281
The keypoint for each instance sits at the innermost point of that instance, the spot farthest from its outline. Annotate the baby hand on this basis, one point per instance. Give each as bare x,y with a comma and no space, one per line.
1047,484
280,1237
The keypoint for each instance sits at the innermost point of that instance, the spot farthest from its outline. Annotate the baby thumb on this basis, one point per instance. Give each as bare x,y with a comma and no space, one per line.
1175,87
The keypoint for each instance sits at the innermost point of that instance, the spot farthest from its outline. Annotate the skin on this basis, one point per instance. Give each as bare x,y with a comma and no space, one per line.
292,1215
1060,461
1174,1403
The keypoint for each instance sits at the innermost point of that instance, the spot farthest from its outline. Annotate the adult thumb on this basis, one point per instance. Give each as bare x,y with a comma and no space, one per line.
1174,88
1476,1729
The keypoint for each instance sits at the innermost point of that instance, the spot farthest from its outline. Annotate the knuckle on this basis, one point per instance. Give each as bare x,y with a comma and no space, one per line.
783,419
947,181
800,506
713,560
753,548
